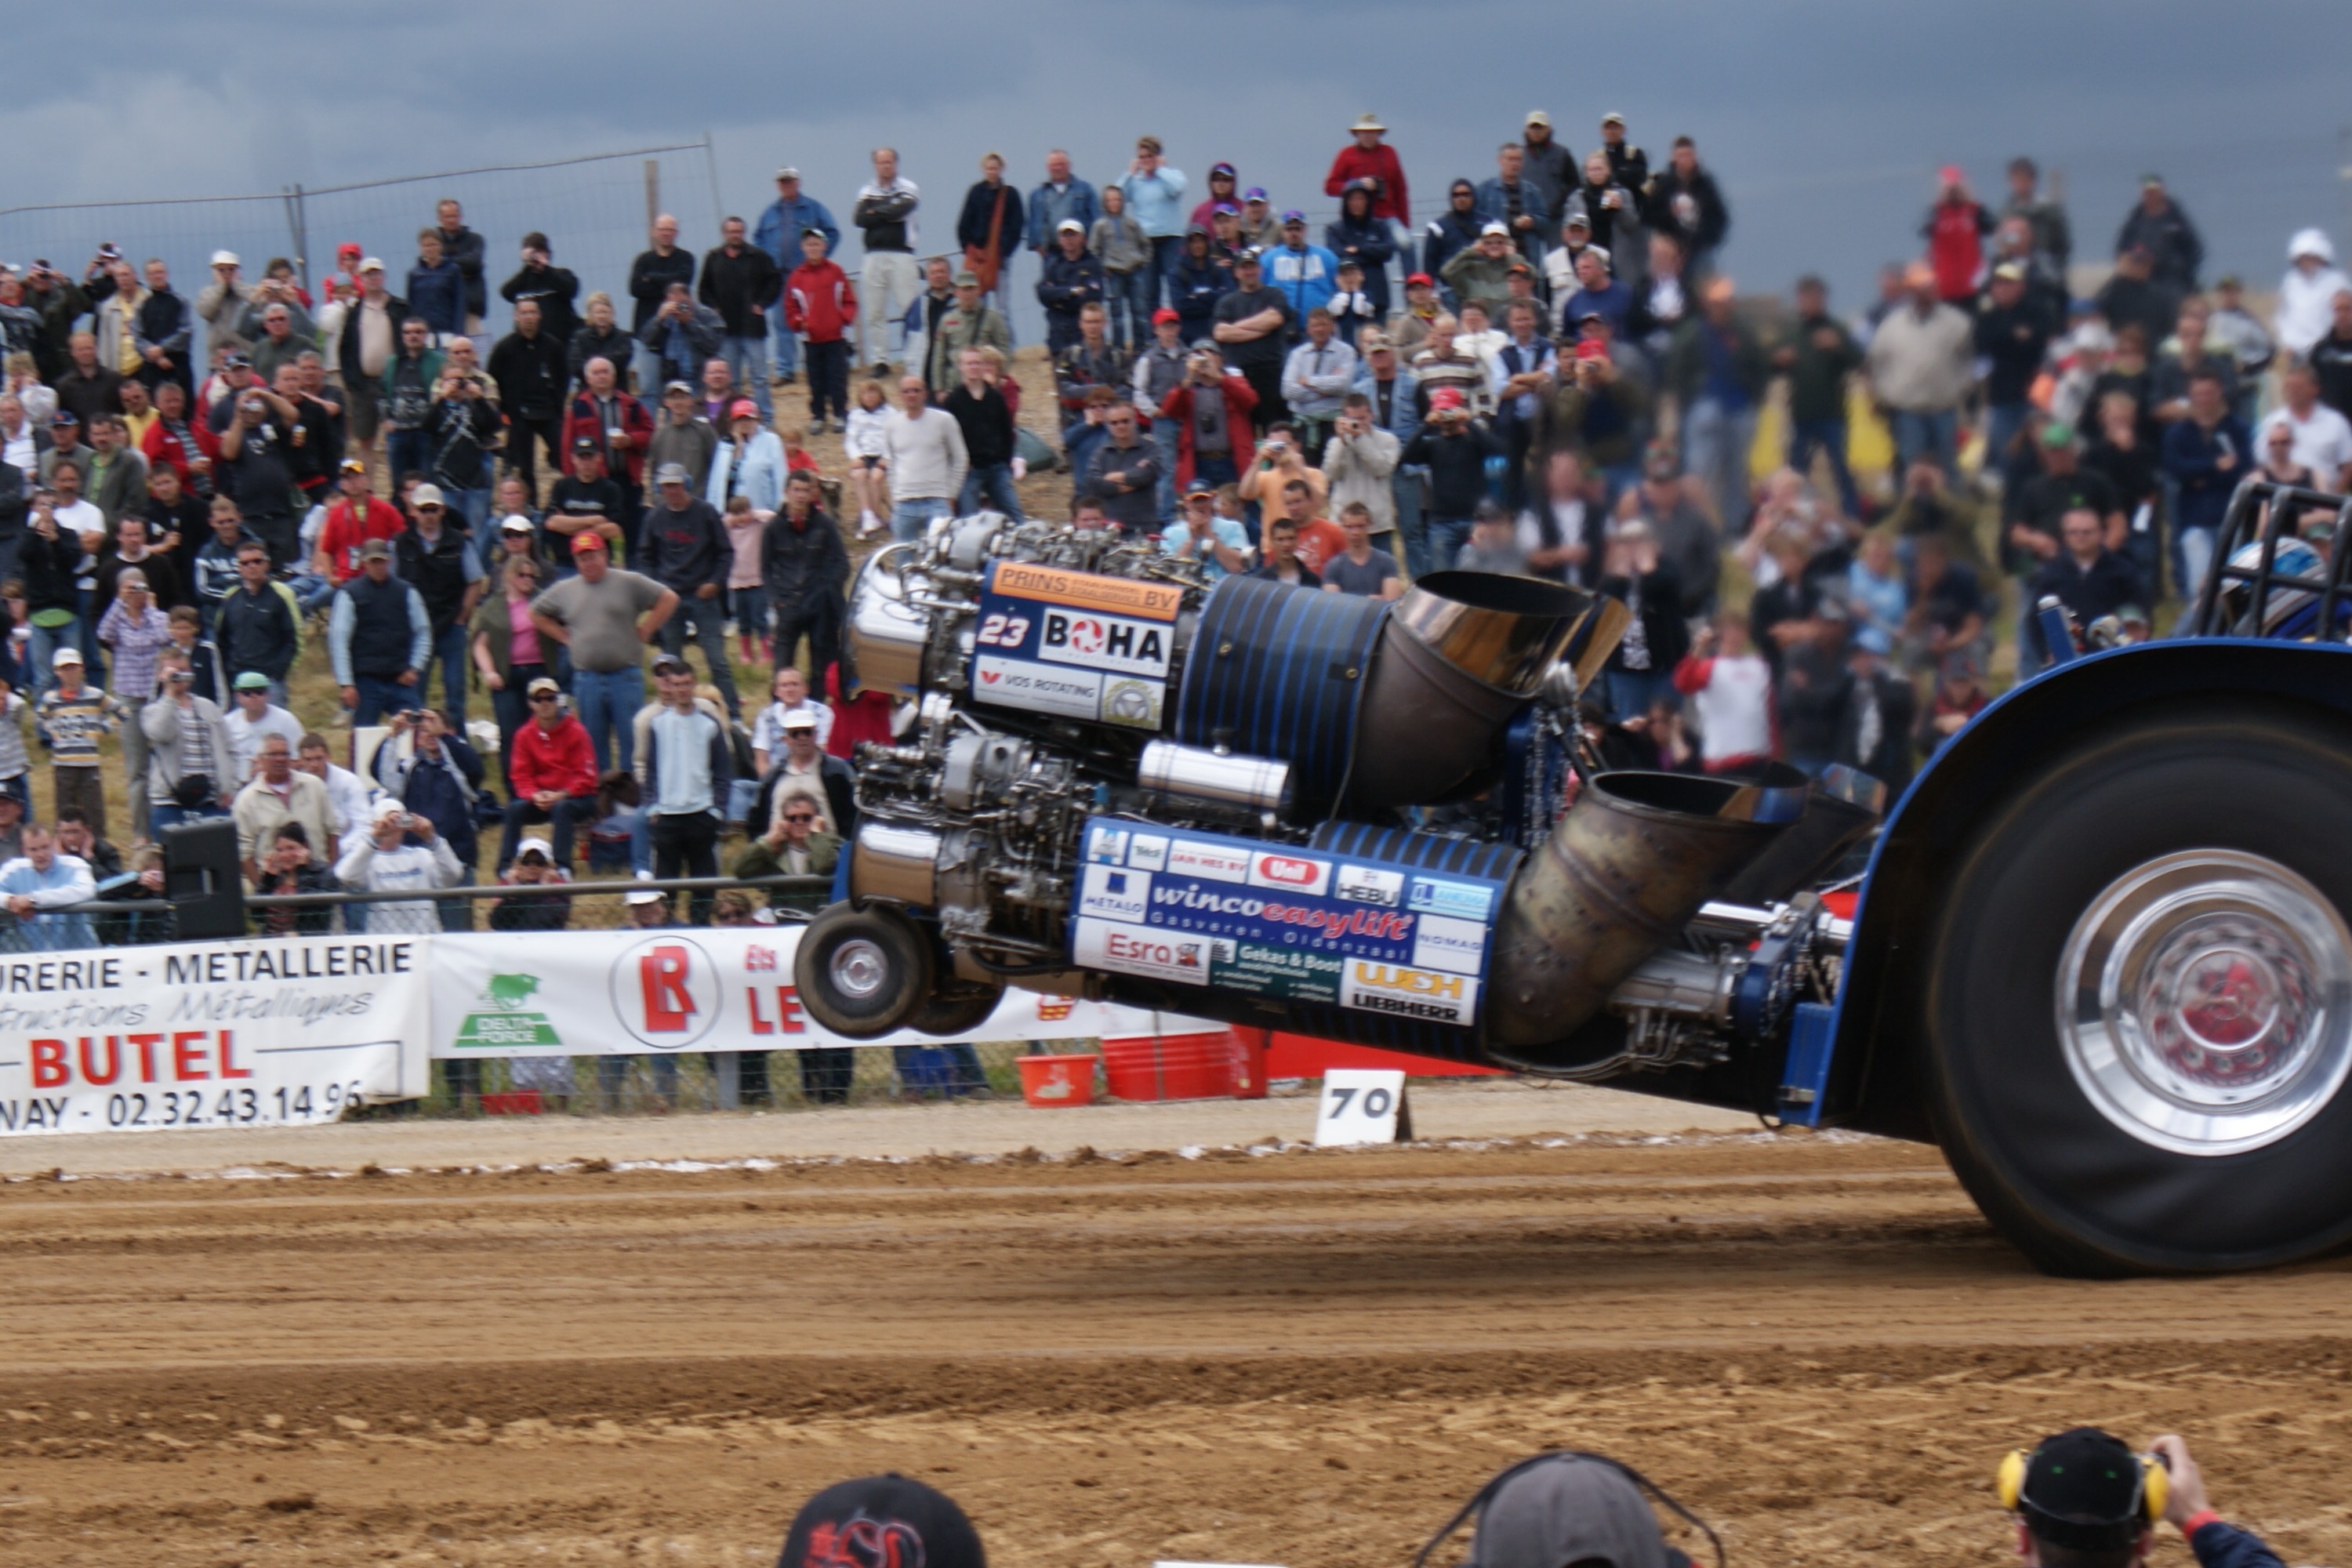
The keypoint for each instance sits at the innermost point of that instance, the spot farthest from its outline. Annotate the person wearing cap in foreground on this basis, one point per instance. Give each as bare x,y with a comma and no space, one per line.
686,550
535,866
379,638
606,617
1920,362
683,774
1569,1509
399,850
885,1519
2083,1500
551,775
1483,271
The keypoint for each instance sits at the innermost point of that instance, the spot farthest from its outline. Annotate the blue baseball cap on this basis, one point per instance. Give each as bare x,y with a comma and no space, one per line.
1293,216
1255,193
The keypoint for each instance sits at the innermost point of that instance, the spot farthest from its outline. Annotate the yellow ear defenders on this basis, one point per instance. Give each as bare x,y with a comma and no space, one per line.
2151,1485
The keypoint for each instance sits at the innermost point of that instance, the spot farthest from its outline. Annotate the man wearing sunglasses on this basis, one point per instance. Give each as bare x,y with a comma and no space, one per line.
553,770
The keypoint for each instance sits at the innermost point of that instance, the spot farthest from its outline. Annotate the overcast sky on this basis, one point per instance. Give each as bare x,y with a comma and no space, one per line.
1823,120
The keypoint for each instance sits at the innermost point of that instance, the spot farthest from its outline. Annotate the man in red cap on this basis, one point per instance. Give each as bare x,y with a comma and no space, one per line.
1158,371
1368,157
606,617
1955,232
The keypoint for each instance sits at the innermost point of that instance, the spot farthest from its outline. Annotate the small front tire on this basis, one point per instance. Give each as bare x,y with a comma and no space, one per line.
863,974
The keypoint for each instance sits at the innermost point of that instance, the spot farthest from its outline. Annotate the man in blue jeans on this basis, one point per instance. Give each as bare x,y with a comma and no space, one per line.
781,227
686,550
605,616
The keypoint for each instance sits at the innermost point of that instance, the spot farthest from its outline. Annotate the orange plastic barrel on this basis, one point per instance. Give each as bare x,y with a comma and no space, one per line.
1049,1081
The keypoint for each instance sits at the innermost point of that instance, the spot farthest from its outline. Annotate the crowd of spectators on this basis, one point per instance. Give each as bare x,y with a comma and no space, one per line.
1549,375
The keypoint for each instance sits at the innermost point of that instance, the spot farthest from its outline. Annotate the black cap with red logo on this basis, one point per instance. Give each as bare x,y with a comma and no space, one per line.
881,1522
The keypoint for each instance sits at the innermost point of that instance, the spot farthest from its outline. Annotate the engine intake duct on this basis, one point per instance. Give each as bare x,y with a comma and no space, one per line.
1631,864
1460,653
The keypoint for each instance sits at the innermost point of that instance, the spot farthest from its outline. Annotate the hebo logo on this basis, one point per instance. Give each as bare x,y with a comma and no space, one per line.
666,992
509,1020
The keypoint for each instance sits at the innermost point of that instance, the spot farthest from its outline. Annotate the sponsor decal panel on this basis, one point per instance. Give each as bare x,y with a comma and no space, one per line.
1407,993
1038,687
1470,900
1282,921
1126,949
1459,947
1115,894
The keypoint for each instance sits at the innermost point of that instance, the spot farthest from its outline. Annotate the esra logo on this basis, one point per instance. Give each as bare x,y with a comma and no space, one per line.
666,992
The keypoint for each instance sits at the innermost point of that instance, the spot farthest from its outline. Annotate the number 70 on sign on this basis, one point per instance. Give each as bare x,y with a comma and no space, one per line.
1362,1105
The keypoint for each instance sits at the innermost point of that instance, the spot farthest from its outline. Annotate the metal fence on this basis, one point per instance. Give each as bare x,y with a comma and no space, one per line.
594,211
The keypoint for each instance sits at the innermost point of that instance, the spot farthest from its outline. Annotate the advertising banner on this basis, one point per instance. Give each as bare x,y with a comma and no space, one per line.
706,988
1280,921
1074,645
283,1032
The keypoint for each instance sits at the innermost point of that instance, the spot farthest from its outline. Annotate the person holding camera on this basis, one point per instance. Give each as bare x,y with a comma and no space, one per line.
189,760
255,427
400,850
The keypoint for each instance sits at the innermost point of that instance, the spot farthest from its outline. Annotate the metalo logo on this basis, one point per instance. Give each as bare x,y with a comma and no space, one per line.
666,992
1293,873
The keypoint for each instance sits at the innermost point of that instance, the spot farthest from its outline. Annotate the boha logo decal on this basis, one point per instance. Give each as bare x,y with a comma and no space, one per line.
1105,642
666,992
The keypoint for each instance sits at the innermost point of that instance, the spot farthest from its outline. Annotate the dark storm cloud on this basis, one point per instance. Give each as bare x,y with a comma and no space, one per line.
1824,121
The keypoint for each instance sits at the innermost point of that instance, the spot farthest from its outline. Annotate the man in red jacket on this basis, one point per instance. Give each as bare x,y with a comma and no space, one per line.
553,770
1369,158
618,423
351,523
820,304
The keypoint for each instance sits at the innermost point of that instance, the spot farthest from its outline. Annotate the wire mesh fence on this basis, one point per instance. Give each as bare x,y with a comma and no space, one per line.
728,1080
592,209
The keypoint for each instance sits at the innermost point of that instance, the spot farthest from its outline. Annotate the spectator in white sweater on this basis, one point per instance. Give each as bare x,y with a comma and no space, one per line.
1731,690
924,448
383,859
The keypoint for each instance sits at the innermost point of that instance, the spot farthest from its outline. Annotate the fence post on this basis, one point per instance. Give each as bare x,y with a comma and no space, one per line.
653,191
717,201
298,230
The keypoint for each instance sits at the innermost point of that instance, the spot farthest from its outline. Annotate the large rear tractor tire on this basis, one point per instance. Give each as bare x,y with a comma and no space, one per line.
2140,1002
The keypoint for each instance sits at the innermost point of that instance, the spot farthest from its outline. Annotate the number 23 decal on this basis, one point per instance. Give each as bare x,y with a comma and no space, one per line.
998,630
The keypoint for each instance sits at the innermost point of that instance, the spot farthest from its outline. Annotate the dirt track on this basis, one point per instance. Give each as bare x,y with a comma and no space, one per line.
1300,1359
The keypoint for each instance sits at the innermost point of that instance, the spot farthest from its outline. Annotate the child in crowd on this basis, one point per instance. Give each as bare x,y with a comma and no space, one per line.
1731,690
863,444
1226,502
790,690
796,452
1351,308
613,836
72,716
747,601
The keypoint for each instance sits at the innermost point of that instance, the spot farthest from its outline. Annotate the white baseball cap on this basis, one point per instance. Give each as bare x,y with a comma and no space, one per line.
536,844
225,258
643,895
386,809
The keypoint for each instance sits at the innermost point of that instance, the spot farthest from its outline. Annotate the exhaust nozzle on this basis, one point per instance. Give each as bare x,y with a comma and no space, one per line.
1631,864
1459,655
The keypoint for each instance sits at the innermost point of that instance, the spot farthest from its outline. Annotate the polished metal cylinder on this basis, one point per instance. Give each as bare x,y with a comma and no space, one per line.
1682,984
897,863
1218,778
886,636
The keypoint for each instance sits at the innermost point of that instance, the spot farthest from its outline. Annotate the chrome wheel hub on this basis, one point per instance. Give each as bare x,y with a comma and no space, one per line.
859,969
2205,1002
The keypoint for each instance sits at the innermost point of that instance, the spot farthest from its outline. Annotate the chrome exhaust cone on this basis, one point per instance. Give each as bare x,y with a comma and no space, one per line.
1631,863
1458,656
